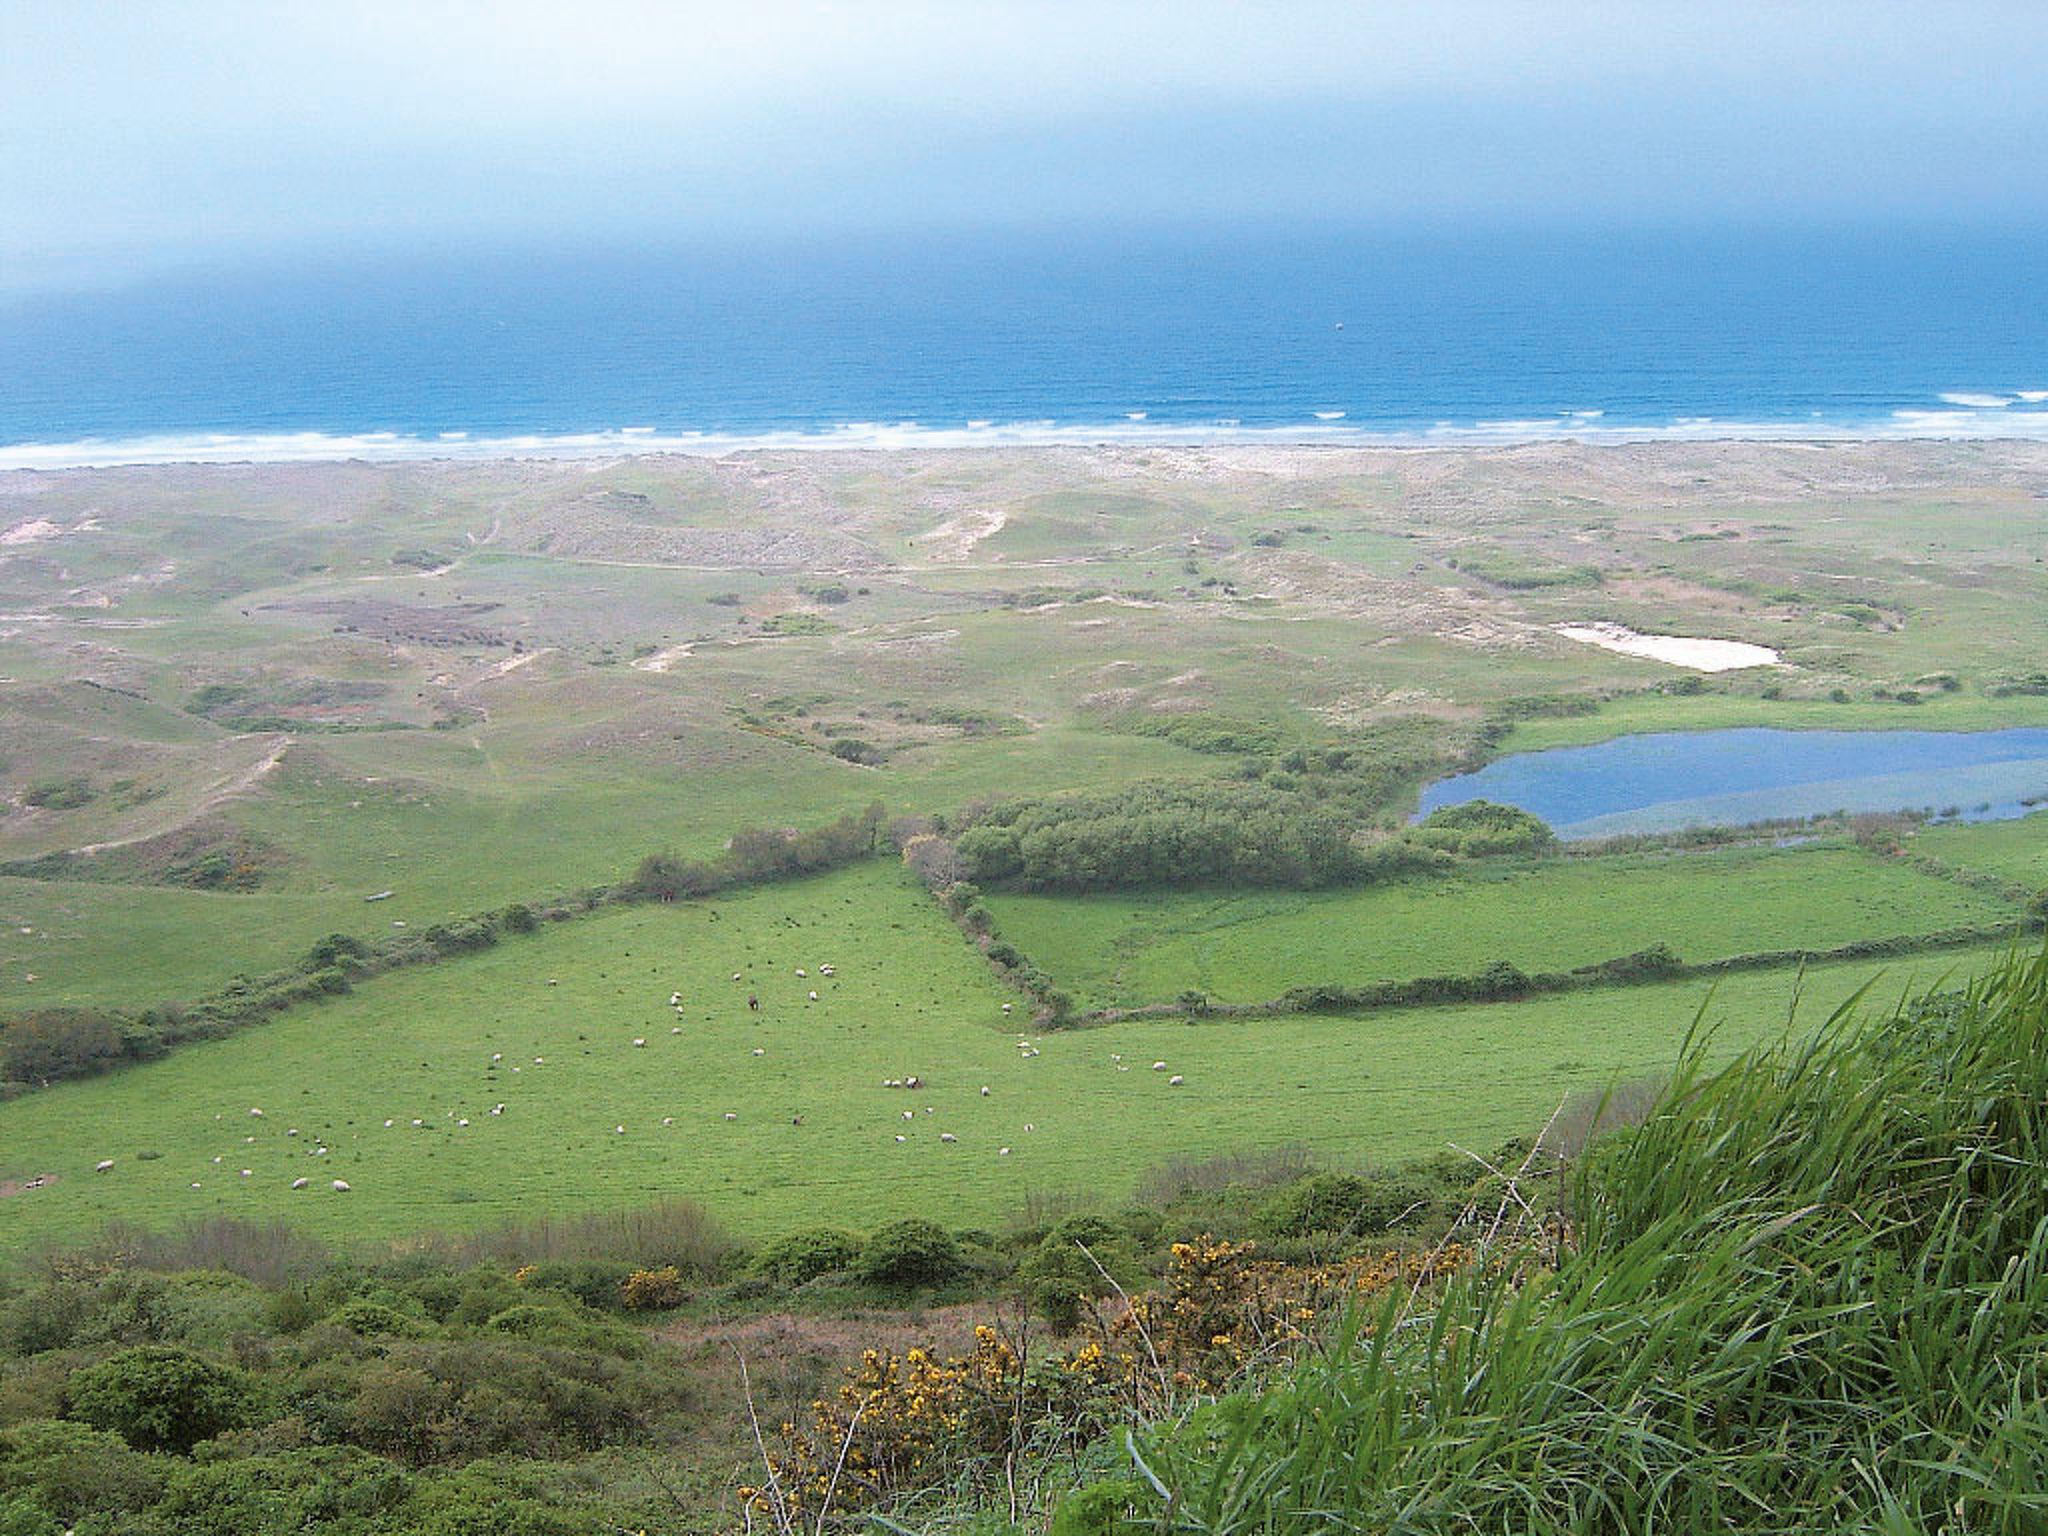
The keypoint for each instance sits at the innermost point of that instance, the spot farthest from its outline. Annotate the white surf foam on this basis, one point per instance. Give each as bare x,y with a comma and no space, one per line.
1977,402
1959,424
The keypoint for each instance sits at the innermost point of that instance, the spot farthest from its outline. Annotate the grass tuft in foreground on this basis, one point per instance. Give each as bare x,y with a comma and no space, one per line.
1807,1293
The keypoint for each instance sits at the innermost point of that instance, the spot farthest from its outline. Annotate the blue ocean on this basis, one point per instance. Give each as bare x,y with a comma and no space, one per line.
1042,336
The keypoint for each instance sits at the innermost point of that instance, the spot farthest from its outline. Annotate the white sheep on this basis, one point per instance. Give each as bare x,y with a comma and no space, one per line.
255,1114
1158,1066
814,997
730,1115
1028,1127
618,1130
902,1138
300,1183
1007,1007
247,1172
293,1131
639,1042
103,1165
340,1186
1002,1151
800,973
735,975
1175,1081
909,1114
668,1119
947,1136
463,1123
675,999
677,1030
497,1056
984,1090
760,1050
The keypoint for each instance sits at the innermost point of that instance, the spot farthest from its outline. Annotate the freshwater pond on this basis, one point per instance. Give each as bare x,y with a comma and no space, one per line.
1677,779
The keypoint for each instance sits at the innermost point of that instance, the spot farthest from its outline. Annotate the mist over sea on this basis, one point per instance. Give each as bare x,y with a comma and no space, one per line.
1042,336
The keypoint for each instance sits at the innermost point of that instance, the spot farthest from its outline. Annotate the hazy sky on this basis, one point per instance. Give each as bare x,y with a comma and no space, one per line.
138,131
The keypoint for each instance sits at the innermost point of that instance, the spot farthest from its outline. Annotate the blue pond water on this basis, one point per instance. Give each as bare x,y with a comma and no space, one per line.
1668,781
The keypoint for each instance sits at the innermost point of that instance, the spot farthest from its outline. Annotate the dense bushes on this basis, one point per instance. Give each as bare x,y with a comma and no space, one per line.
162,1398
1481,828
910,1254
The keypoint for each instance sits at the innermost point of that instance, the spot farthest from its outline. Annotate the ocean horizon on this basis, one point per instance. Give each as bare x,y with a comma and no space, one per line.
1157,337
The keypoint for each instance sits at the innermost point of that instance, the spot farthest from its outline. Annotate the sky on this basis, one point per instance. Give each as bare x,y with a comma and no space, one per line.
137,134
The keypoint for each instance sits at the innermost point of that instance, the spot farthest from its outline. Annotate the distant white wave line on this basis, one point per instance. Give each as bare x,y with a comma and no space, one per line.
299,447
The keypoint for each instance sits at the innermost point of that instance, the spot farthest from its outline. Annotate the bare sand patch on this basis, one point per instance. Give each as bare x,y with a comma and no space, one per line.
663,659
955,538
1673,650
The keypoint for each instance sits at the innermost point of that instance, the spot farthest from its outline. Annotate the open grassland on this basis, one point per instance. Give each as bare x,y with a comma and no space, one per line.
1130,948
2012,850
559,1011
491,681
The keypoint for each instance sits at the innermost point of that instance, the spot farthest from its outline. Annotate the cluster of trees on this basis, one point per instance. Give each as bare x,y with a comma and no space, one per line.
1479,828
1175,834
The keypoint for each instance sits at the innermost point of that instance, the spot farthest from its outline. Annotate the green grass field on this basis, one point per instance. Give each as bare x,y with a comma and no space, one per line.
2013,850
1127,949
563,1007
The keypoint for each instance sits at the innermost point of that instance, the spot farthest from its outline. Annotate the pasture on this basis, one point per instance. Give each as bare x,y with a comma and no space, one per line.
545,1025
1131,948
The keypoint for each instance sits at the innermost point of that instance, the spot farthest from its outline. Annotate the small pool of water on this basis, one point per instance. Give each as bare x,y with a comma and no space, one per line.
1677,779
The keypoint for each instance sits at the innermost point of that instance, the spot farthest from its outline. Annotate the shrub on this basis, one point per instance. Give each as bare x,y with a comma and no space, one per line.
1339,1203
652,1290
74,1471
55,1043
1482,827
803,1256
910,1254
162,1398
66,794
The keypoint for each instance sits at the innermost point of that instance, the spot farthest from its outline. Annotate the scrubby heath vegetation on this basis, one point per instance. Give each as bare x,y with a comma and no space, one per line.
1801,1288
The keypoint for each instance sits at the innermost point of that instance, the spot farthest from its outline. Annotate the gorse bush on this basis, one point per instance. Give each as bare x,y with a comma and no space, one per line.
1806,1293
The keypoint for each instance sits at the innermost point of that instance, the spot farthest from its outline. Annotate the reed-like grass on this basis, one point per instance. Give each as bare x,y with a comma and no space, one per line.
1808,1293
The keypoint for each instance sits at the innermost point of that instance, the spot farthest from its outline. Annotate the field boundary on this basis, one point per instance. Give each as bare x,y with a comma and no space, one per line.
1504,982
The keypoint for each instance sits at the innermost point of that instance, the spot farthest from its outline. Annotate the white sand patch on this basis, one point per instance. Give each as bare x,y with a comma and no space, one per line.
955,538
513,663
663,659
29,532
1674,650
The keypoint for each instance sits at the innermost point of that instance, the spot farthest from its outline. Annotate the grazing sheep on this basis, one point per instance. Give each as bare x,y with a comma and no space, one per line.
1158,1066
255,1114
462,1122
1175,1081
552,982
388,1124
760,1050
300,1183
947,1136
639,1042
103,1165
909,1114
675,999
1029,1127
618,1130
800,973
340,1186
293,1131
735,975
1002,1151
913,1082
730,1115
902,1138
984,1090
677,1030
668,1119
246,1172
1007,1007
753,1003
497,1056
